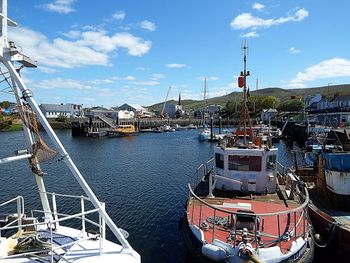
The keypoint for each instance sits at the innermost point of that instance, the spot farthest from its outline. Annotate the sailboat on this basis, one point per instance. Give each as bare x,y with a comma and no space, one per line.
43,235
241,208
205,133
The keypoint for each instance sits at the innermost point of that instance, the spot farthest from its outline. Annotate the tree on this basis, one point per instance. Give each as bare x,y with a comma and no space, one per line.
270,102
292,105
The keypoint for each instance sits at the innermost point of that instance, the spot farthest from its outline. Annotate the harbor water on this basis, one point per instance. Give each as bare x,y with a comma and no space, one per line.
142,179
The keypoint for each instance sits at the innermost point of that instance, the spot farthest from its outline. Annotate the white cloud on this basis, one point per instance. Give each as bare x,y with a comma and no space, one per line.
247,20
175,65
60,6
258,6
141,68
59,83
331,68
294,50
90,48
146,83
47,70
250,34
73,34
148,25
158,76
120,15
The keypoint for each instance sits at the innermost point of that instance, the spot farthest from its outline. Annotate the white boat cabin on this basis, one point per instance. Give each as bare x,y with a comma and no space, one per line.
251,170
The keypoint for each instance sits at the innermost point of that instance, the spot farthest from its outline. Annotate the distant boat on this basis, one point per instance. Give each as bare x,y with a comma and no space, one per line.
204,134
191,126
123,130
167,128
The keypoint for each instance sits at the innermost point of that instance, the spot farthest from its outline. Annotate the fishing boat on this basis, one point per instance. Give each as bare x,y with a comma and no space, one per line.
122,131
244,210
329,208
46,232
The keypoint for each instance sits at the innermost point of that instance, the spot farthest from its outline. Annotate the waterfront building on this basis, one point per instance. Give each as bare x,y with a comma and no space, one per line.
138,110
69,110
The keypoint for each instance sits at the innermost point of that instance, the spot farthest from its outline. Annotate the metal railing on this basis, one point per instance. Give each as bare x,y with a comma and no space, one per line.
54,223
289,224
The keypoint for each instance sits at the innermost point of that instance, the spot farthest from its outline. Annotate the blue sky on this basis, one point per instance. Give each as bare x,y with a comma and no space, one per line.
112,51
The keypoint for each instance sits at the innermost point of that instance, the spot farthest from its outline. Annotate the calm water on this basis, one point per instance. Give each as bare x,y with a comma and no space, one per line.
143,181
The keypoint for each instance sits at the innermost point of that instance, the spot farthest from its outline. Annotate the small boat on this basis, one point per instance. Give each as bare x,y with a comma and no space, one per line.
123,130
45,233
242,209
167,128
204,134
191,126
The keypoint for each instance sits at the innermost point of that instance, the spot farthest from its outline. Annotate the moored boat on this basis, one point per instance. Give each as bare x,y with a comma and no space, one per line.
329,209
123,130
204,134
46,232
242,209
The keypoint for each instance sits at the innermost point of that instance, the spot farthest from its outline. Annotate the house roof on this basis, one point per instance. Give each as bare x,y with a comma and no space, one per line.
270,110
136,107
56,107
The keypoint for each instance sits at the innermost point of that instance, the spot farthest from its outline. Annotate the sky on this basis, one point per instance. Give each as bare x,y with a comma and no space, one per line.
111,52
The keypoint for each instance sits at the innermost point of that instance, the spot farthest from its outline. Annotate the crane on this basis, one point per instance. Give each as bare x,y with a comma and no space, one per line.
162,112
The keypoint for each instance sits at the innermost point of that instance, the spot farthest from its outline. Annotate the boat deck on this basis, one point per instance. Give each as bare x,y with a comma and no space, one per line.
273,229
66,249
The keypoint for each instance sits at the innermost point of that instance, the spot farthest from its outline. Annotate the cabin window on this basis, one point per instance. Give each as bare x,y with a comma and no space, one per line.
271,162
219,160
244,163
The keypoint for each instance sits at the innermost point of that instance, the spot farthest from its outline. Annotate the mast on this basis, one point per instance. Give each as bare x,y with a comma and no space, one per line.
244,116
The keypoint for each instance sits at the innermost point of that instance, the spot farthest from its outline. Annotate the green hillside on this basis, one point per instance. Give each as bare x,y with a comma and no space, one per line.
282,94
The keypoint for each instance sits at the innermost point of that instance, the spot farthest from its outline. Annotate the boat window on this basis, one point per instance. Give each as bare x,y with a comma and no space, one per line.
271,162
244,163
219,160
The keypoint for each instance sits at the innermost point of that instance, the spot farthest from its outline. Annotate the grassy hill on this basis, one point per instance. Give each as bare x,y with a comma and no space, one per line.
282,94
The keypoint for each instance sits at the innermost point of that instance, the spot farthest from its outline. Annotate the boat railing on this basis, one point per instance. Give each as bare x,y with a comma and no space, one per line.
17,215
201,171
289,224
53,224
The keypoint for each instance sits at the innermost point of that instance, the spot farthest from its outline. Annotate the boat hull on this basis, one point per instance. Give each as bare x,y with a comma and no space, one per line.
332,236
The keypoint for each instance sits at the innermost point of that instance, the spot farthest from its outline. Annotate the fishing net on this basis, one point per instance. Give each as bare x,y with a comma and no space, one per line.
41,152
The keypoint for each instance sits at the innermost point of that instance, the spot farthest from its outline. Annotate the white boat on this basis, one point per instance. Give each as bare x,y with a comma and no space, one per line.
204,134
42,235
242,209
167,128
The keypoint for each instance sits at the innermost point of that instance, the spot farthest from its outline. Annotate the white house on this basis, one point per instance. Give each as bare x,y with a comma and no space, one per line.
267,115
310,99
138,110
55,110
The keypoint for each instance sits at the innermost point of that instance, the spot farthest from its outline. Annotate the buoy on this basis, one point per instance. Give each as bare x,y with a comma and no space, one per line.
213,252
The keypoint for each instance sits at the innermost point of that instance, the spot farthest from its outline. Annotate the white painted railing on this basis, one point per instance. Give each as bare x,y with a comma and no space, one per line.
53,224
